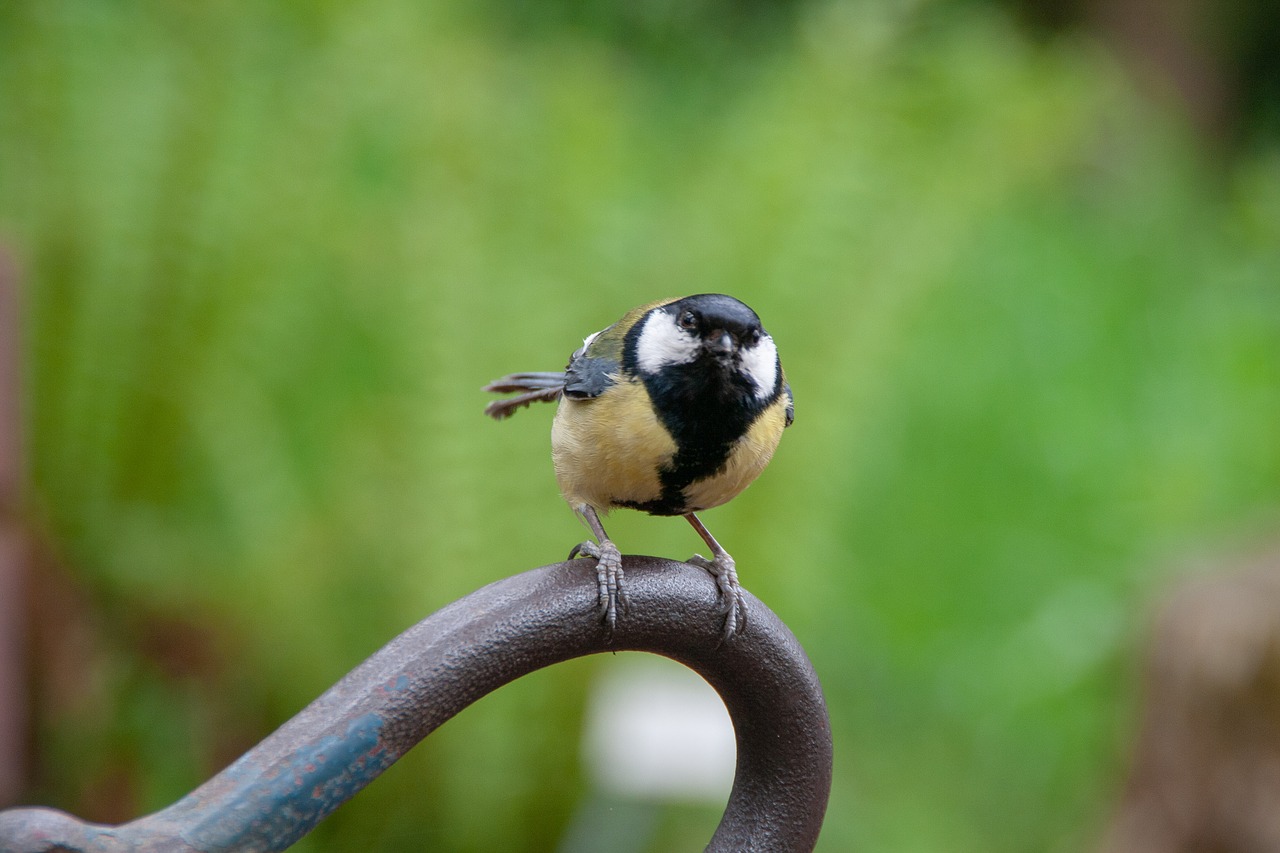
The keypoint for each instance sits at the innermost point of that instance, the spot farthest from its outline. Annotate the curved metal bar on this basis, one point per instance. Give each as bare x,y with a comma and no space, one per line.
283,787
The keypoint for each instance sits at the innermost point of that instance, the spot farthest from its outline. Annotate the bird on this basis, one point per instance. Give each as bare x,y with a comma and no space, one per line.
674,409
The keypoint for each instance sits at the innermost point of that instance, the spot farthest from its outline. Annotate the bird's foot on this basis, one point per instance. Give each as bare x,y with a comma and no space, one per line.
732,602
609,578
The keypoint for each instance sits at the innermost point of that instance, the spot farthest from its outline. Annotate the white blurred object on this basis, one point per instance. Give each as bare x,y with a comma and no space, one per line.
656,730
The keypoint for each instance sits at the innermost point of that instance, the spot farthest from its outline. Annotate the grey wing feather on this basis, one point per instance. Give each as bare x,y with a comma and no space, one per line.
588,376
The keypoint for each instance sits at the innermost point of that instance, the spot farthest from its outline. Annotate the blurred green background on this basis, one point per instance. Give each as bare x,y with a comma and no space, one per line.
1026,289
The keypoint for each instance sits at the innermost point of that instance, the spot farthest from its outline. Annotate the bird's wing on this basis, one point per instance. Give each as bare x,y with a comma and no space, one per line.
589,375
595,365
598,362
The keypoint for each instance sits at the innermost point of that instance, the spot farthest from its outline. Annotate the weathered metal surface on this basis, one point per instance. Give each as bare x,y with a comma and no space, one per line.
279,791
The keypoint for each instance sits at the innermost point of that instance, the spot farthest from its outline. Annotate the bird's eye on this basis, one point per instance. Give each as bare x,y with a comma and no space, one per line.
688,320
754,337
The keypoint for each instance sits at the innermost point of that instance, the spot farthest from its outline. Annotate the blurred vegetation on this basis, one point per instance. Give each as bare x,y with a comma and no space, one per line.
272,251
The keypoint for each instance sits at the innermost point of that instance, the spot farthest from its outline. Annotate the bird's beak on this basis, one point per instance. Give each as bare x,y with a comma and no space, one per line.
721,344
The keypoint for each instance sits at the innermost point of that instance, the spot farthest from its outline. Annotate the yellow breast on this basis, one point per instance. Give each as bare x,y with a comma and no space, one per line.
609,449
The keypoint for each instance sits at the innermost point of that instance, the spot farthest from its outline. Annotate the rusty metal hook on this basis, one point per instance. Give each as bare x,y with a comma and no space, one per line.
278,791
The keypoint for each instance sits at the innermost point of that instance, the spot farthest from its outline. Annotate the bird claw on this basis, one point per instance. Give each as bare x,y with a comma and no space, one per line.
728,590
609,579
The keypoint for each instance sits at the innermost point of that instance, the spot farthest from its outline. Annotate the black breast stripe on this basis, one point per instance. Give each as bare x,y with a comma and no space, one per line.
706,410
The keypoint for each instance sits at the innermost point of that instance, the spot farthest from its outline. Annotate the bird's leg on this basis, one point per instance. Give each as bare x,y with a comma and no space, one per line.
722,569
609,577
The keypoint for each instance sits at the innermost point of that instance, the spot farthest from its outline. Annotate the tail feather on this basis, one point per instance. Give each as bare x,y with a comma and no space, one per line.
534,387
526,382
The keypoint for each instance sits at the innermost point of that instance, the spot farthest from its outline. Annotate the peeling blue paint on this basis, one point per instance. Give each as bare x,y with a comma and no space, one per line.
269,811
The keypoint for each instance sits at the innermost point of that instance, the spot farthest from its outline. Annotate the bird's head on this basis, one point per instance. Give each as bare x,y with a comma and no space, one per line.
711,335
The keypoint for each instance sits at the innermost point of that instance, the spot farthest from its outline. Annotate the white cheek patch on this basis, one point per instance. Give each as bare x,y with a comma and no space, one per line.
760,364
662,343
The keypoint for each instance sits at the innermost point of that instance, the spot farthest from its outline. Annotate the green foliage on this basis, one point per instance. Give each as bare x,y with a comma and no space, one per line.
272,253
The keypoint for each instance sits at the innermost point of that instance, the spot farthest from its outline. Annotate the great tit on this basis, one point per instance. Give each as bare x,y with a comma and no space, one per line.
673,409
